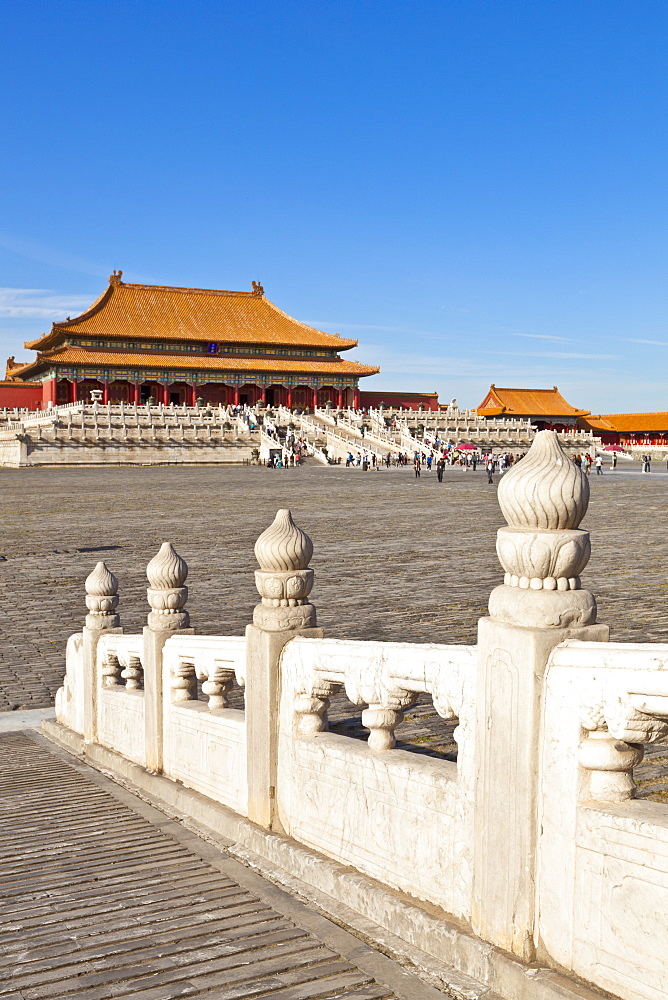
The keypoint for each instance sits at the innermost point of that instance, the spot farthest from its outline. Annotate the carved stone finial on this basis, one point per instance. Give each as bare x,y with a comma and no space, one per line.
542,551
167,572
115,277
284,580
101,598
283,546
546,489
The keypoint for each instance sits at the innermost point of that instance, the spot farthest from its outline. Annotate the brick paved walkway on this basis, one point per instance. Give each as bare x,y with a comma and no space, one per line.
104,896
395,558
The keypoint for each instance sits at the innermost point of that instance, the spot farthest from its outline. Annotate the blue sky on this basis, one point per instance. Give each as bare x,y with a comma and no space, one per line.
475,190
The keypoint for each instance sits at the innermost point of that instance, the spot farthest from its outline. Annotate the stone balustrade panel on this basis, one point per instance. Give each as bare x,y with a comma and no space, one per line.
603,865
402,818
120,699
205,742
70,697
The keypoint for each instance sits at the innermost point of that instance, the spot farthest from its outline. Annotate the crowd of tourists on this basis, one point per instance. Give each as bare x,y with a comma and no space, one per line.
293,449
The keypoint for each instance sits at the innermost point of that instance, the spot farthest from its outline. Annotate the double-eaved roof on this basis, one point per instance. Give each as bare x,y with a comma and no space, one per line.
160,326
527,403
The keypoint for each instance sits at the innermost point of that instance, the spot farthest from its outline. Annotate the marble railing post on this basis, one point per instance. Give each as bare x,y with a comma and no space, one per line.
167,596
284,583
543,499
101,601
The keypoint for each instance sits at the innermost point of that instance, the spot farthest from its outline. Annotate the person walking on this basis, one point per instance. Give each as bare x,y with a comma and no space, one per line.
599,466
440,466
417,465
490,470
614,460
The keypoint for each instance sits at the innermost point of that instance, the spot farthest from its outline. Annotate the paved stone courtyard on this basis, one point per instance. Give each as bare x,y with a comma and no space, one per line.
395,559
105,896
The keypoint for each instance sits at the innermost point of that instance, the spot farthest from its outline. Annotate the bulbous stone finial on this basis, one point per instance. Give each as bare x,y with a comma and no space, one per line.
101,598
167,572
283,546
167,568
546,489
284,580
542,550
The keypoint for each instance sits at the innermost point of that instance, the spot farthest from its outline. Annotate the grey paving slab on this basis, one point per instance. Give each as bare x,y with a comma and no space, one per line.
57,950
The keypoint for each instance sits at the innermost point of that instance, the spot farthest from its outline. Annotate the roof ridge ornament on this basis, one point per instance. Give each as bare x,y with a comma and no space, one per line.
115,278
257,288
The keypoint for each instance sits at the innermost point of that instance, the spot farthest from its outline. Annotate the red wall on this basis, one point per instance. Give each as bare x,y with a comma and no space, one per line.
22,394
408,400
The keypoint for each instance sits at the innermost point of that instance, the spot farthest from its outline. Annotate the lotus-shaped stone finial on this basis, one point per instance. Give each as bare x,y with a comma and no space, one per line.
101,598
167,569
283,546
101,582
546,489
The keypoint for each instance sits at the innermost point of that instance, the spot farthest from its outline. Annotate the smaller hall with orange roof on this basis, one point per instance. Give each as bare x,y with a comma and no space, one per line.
545,408
644,429
177,345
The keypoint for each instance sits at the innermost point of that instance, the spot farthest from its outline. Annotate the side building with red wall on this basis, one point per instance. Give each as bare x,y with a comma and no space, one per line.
20,395
395,400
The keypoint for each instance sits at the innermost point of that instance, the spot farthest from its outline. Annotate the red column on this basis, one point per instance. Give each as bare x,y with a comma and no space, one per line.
235,396
105,392
314,398
356,399
263,395
136,393
74,391
289,403
339,399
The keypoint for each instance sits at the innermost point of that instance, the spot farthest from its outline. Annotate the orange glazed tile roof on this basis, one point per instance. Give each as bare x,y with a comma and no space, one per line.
157,311
630,423
527,403
69,355
598,423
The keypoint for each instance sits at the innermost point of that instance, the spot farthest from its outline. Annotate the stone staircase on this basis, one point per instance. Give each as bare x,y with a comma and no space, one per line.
409,430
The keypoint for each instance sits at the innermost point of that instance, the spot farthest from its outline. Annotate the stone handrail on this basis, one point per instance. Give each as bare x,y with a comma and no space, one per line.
217,660
623,705
120,657
386,676
345,444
